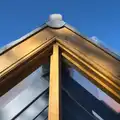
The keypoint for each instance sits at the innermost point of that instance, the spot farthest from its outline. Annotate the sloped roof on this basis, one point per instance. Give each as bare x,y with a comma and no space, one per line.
90,54
58,24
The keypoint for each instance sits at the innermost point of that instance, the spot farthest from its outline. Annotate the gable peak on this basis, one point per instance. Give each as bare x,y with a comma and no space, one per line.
55,21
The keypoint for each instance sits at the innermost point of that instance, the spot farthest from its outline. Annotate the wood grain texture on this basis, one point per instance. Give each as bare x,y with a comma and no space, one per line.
18,53
54,88
93,54
110,88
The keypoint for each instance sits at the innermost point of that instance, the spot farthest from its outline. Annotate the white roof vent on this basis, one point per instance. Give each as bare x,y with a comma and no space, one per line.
55,21
54,17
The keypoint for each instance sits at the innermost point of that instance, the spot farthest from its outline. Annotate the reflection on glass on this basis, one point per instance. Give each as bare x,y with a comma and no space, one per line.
28,100
94,90
73,104
83,97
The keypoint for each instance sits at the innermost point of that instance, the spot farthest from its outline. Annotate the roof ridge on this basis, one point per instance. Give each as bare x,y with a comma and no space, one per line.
55,21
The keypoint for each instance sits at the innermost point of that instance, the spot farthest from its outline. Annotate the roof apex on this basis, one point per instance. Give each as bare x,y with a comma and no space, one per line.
55,21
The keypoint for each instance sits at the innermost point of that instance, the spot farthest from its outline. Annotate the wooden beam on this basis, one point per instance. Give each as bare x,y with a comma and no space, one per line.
9,80
96,78
20,52
54,88
98,57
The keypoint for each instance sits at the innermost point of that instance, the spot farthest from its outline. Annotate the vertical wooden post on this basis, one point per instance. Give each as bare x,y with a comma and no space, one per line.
54,88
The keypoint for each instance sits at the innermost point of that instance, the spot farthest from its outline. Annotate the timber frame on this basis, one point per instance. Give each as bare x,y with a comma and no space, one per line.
99,66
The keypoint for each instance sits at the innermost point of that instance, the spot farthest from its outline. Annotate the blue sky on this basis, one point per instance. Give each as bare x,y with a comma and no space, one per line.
99,18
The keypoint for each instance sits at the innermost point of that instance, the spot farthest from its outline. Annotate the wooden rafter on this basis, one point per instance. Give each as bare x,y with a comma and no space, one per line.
103,82
102,68
22,59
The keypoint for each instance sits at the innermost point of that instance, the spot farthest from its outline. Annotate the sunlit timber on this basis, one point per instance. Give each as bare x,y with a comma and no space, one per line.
54,88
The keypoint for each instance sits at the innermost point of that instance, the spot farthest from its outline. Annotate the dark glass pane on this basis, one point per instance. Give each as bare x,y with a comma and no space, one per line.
81,99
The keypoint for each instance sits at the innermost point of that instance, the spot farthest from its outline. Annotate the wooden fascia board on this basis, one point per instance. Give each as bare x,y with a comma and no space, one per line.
18,53
64,39
21,68
91,72
98,57
73,49
17,62
103,61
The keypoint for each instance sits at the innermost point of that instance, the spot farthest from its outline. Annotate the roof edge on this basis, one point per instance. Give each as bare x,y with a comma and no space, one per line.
97,43
58,23
15,42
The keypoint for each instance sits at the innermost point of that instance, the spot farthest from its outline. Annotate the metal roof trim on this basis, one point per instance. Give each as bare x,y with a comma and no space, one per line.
61,24
13,43
97,43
